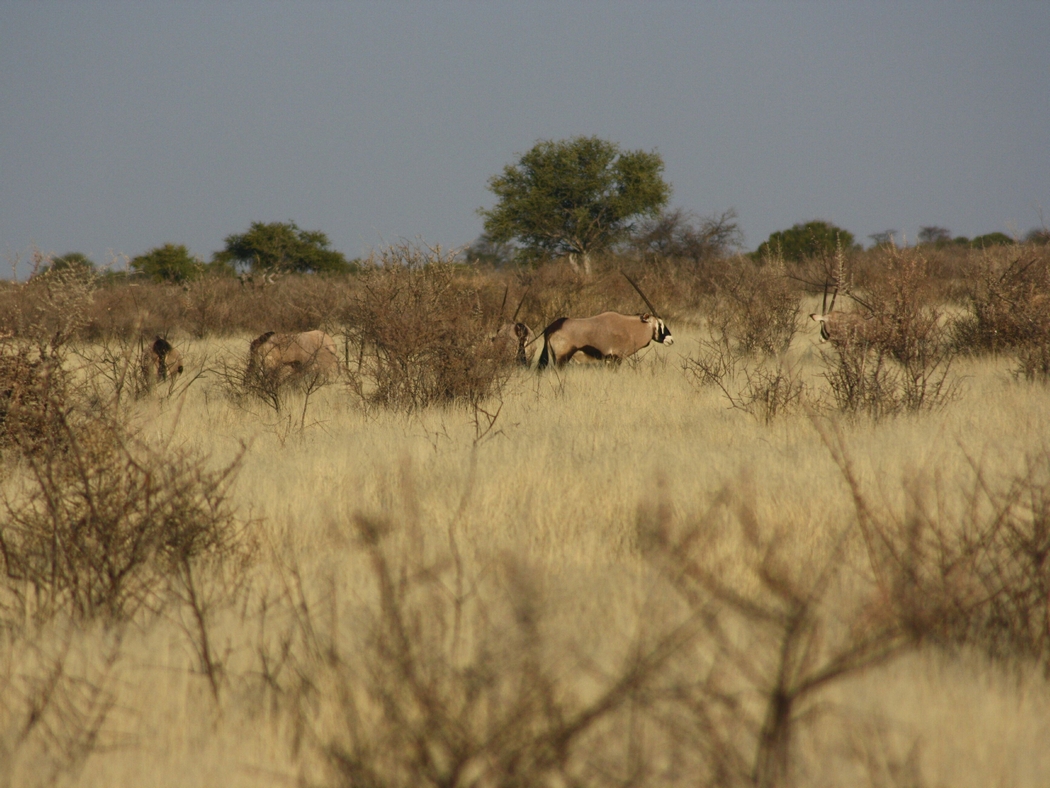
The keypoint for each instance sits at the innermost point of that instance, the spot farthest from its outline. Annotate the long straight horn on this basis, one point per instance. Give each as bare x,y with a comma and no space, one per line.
648,303
522,301
504,304
824,303
834,295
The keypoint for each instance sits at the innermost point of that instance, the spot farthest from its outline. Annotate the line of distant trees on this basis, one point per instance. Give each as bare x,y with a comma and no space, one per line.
563,199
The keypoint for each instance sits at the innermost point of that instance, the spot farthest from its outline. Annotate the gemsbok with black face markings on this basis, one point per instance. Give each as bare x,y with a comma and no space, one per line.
608,336
842,328
514,340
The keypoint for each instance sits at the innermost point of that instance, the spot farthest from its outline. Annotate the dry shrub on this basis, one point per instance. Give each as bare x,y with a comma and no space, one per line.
1008,301
33,398
776,632
753,320
757,306
52,709
555,290
902,360
49,310
128,311
290,304
216,306
421,335
446,676
765,388
967,563
101,525
862,380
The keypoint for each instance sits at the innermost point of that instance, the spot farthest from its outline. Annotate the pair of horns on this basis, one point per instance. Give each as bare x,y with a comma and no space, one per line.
504,304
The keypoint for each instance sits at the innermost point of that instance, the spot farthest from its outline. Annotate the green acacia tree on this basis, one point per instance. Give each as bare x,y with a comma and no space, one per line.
812,239
282,246
574,197
75,264
168,263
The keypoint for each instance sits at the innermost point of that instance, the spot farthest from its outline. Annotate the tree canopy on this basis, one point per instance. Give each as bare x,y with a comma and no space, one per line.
72,263
574,197
168,263
812,239
683,235
282,246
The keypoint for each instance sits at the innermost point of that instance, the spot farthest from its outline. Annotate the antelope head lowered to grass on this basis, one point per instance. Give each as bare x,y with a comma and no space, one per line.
514,339
160,361
286,355
610,335
844,327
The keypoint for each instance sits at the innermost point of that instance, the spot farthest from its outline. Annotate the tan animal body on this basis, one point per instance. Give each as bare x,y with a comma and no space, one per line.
285,355
609,335
161,361
842,328
517,342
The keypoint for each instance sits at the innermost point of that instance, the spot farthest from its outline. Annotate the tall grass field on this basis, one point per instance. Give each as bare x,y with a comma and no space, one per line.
748,558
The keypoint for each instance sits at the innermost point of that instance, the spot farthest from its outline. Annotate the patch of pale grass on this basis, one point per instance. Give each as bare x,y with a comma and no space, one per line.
556,484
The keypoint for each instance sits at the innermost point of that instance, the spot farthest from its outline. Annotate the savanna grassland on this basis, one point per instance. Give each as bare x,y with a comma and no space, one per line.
749,558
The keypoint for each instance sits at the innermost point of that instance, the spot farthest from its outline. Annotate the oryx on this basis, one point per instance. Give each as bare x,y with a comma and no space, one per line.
610,335
160,361
285,355
515,340
842,328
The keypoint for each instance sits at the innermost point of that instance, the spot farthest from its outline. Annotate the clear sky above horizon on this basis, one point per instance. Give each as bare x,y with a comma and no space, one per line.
125,126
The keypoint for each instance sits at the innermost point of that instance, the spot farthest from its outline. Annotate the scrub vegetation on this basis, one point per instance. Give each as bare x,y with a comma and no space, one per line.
750,559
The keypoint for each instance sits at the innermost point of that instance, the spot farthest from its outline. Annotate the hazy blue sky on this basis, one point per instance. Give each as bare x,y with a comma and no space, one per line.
124,126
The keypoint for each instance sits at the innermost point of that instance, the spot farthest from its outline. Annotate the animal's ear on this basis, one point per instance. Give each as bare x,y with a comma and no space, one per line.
645,317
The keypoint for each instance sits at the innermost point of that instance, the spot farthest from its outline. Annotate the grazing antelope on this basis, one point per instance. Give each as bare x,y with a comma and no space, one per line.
609,335
161,361
285,355
517,341
842,328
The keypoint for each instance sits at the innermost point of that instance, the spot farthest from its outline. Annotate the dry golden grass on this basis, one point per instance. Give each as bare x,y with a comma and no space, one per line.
548,495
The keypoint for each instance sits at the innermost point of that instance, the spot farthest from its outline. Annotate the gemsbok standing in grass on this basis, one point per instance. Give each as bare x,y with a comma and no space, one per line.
161,362
608,336
283,356
514,339
842,328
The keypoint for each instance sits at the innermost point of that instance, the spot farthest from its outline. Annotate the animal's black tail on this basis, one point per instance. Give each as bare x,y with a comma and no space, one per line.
546,355
544,358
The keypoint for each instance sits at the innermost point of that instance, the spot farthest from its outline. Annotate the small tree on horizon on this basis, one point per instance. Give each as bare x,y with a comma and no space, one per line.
682,235
885,238
812,239
574,197
282,246
168,263
933,234
76,263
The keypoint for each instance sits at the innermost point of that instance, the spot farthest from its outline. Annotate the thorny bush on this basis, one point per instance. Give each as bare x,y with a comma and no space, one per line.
901,361
95,523
420,335
1008,299
757,306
